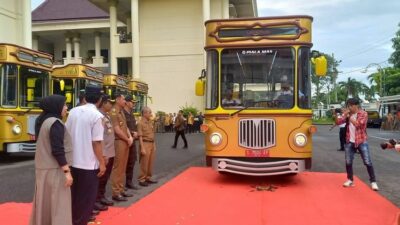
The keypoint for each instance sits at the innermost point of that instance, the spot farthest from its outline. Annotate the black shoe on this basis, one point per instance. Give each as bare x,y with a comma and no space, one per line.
95,212
100,207
340,149
185,147
143,183
173,146
131,186
106,201
119,198
151,181
126,194
92,218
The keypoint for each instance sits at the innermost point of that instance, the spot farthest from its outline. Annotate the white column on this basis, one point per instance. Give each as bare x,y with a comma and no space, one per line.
206,16
128,24
113,36
225,9
26,23
77,42
135,39
97,59
68,50
35,43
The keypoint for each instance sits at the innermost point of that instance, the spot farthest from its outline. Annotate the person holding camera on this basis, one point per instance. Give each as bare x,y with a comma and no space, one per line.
356,139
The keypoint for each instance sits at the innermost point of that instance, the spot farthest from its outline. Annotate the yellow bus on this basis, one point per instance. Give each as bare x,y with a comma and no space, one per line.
113,84
71,79
24,80
258,95
140,90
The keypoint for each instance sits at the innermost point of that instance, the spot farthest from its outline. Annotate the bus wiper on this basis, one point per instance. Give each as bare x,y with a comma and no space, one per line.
238,111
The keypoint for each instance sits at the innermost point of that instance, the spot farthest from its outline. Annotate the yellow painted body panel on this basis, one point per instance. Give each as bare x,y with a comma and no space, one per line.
287,126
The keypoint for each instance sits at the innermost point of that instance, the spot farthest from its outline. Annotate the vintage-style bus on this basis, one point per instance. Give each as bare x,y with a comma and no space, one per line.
72,79
113,84
140,90
24,77
258,95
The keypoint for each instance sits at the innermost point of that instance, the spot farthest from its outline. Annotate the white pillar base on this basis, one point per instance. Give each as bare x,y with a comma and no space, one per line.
98,61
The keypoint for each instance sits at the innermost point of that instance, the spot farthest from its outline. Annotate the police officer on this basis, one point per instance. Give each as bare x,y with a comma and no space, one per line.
123,140
147,147
131,122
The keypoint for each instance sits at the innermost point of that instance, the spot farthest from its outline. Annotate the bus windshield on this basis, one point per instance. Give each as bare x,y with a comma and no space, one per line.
259,78
33,86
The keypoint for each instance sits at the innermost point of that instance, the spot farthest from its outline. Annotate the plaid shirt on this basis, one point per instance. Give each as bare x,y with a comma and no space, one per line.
361,127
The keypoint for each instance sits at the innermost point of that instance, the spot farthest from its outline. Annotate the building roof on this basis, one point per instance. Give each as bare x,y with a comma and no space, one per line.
67,10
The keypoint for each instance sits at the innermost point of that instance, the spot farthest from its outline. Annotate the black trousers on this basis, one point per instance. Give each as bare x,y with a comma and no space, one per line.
83,193
342,137
132,157
180,133
104,179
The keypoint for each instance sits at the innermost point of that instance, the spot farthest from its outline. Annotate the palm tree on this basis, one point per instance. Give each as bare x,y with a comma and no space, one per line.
353,87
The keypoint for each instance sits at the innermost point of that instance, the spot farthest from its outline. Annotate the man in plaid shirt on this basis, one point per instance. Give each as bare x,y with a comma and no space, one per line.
356,138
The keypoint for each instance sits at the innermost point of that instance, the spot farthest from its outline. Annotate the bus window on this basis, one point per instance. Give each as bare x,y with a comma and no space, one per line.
304,81
212,80
33,86
67,91
257,78
9,85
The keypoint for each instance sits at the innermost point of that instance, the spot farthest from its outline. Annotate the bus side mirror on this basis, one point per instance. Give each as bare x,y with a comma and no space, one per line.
199,87
62,85
321,65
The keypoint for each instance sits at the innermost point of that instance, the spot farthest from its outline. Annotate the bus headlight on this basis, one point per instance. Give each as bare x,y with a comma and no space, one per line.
16,129
215,138
300,140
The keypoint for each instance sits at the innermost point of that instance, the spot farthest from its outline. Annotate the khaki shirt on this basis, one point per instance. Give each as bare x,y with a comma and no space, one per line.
109,137
118,118
146,130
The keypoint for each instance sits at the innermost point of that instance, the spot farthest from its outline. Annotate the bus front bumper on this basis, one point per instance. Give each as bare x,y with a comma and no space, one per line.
258,168
21,147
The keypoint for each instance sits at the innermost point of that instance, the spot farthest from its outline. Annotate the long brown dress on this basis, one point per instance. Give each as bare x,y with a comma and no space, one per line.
52,199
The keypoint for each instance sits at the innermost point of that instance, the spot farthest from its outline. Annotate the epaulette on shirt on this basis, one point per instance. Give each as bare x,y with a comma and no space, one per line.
113,112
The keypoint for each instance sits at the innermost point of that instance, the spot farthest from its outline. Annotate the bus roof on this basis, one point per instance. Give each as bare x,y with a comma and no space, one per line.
10,53
259,32
138,85
115,80
78,71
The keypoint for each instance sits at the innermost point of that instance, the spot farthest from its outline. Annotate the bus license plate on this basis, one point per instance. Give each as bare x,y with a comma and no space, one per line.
257,153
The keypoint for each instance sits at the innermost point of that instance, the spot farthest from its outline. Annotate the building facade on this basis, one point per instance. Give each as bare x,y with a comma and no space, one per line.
157,41
15,21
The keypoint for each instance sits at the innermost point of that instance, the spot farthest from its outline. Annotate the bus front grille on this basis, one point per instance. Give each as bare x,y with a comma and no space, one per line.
257,133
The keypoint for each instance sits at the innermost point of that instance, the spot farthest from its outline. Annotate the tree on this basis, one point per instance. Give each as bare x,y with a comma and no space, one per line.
390,78
395,57
353,87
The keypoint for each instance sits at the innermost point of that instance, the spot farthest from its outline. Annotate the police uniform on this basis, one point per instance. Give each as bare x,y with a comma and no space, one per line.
146,131
121,153
132,156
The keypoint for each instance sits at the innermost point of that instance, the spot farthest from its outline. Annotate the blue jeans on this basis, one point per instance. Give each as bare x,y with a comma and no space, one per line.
350,150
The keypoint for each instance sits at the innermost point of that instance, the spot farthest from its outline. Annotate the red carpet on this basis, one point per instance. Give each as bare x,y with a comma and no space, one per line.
200,196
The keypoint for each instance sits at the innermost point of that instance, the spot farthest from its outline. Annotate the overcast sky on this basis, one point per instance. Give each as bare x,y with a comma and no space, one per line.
358,32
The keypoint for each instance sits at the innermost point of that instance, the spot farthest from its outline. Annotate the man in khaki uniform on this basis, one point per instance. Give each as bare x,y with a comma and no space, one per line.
123,140
147,147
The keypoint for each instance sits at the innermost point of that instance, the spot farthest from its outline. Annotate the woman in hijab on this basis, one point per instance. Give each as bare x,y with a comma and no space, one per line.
52,198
